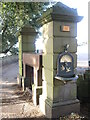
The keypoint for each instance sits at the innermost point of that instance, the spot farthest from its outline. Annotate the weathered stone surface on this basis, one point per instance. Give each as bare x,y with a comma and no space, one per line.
64,92
53,29
57,90
48,75
42,104
48,45
59,43
44,90
61,92
48,30
26,43
20,54
60,97
20,45
57,32
20,71
26,47
56,44
28,39
20,63
36,91
48,61
60,12
61,8
61,108
58,109
28,30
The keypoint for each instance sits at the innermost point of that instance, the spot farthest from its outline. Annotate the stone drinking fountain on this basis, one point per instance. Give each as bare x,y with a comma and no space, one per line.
51,75
59,88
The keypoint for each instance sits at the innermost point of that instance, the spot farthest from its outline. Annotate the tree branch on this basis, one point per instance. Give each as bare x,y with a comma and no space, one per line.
8,49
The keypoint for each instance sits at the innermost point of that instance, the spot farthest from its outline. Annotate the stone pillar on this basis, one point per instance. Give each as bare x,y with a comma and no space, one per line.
37,86
59,28
26,44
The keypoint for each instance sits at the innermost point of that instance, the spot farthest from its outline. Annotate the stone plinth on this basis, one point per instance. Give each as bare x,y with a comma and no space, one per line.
57,98
61,109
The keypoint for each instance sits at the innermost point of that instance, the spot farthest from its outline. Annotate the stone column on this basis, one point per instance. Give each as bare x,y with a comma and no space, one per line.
26,44
59,28
37,86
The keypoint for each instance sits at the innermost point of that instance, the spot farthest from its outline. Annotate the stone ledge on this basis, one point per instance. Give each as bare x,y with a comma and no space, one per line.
63,103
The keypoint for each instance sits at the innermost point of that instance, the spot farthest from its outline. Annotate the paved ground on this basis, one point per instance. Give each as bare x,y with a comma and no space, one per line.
15,103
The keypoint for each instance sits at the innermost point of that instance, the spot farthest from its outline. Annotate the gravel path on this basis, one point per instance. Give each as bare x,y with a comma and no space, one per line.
13,102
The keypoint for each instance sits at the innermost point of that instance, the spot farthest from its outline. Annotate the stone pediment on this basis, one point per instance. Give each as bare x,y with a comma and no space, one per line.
28,30
59,12
62,9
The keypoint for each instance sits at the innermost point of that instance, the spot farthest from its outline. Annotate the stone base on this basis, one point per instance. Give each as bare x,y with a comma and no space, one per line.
36,92
42,104
56,110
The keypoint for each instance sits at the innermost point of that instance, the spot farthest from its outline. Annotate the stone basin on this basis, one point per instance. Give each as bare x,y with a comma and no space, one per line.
66,79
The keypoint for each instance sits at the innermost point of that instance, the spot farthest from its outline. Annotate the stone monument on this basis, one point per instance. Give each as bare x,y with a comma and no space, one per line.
30,63
59,93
